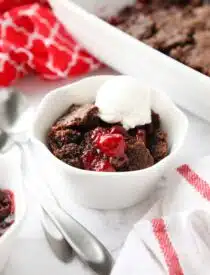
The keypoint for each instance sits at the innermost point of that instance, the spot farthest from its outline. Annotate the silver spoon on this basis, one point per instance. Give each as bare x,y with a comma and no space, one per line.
86,246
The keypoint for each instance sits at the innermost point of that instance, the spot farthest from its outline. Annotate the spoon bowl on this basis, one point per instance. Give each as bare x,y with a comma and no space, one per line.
13,104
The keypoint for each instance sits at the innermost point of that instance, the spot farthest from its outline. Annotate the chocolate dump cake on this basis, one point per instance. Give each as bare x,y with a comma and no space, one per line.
81,139
6,210
180,29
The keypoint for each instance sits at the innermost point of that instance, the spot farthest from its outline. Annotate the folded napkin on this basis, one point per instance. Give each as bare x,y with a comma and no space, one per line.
33,40
174,236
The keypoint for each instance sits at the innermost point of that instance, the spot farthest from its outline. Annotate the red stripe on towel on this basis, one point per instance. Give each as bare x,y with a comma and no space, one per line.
169,253
198,183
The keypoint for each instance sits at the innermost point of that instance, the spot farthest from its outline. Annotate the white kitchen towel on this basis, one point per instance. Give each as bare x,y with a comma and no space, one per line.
174,236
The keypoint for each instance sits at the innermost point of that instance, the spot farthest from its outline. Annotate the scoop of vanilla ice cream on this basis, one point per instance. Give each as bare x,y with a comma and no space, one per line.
123,99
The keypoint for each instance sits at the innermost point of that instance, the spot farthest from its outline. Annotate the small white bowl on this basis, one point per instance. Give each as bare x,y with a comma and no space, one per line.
11,178
103,190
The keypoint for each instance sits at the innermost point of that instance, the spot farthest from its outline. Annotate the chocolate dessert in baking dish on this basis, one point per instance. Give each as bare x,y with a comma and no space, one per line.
180,29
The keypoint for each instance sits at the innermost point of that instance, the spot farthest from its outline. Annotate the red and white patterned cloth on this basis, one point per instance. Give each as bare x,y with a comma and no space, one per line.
33,40
174,236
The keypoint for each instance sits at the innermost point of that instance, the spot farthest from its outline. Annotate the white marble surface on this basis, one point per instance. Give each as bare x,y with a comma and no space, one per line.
32,254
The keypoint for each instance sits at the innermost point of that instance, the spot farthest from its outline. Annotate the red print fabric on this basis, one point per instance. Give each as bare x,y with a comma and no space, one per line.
33,40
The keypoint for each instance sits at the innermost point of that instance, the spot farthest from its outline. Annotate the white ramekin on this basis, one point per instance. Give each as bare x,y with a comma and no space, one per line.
11,178
103,190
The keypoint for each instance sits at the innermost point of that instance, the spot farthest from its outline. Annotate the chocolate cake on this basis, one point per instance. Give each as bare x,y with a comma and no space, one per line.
180,29
81,139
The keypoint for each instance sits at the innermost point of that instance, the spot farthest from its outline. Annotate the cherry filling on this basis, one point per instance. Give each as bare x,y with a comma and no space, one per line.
94,162
97,133
89,159
112,145
109,144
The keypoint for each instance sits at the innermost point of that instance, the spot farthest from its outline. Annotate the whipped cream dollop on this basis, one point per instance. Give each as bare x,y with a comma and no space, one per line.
123,99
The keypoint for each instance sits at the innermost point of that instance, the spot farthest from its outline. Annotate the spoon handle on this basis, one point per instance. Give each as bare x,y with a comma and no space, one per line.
59,246
86,246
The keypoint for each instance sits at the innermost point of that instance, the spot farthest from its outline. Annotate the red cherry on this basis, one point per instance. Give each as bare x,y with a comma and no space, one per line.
118,130
104,166
141,135
112,145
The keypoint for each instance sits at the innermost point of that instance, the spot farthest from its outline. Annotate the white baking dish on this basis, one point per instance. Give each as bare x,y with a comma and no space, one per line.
11,178
187,87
